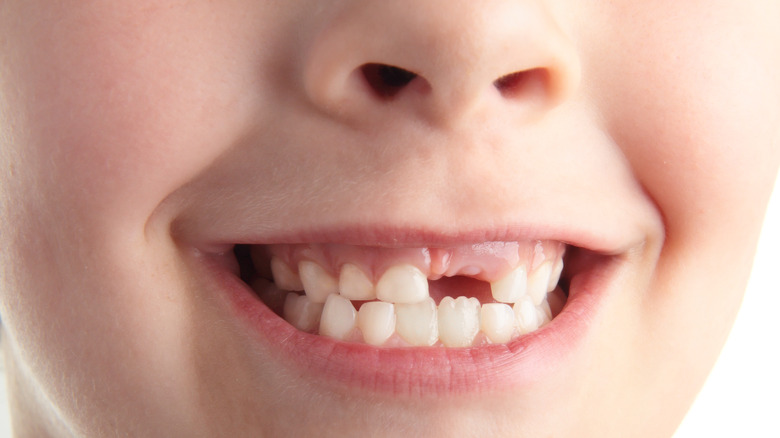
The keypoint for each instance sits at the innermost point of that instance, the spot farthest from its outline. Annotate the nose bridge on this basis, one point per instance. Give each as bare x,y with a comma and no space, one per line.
460,55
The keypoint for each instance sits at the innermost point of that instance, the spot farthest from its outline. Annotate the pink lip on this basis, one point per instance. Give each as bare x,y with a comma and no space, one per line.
427,371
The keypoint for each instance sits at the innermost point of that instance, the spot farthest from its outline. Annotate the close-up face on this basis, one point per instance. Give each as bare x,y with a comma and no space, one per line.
371,218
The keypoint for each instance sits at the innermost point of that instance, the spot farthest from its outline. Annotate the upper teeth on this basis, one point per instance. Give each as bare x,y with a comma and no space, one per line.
354,284
317,283
538,282
404,284
510,288
405,309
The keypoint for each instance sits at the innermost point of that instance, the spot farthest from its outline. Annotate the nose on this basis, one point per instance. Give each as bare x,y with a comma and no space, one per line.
441,61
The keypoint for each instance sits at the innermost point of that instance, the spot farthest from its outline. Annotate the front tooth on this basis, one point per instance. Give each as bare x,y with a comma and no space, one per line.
556,275
510,288
458,321
284,277
354,284
338,317
317,283
525,316
402,284
497,322
417,323
538,281
377,322
301,312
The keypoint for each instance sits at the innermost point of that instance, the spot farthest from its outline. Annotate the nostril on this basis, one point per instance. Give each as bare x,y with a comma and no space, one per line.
386,80
525,83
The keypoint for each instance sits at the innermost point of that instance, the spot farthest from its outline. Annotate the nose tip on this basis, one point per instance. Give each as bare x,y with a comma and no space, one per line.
440,60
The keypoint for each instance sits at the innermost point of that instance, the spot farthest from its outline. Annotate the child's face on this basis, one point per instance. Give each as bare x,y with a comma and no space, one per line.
142,140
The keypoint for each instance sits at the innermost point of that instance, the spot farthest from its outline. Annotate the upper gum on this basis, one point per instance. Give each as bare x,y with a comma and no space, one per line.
494,260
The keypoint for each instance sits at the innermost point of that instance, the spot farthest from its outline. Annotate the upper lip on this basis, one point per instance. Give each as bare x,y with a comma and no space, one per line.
597,241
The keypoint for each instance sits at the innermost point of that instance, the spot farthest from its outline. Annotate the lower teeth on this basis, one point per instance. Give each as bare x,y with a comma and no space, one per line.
455,322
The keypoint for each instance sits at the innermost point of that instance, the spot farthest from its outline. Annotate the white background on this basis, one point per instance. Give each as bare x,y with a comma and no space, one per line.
742,396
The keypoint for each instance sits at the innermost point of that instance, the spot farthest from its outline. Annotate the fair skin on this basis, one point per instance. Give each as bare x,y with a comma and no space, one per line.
142,140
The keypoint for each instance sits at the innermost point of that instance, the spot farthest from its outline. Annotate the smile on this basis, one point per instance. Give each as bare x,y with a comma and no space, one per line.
469,295
405,318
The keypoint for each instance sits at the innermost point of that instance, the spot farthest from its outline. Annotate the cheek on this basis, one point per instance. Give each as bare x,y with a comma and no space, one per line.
694,105
101,119
696,109
112,116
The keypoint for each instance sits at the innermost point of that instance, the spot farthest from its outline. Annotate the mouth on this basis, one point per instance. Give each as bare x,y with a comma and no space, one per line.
462,296
416,319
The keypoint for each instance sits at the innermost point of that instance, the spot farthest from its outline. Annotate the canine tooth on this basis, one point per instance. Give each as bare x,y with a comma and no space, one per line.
402,284
284,277
377,322
301,312
497,322
338,317
525,316
416,323
555,277
510,288
354,284
317,283
538,281
458,321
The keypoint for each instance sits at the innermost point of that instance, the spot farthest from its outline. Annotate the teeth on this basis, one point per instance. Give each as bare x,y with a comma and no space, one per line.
284,277
405,306
510,288
338,317
541,316
354,284
497,322
538,281
317,283
417,323
458,321
301,312
556,275
546,310
377,322
402,284
526,316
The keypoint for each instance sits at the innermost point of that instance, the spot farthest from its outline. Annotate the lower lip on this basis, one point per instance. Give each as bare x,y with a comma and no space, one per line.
422,370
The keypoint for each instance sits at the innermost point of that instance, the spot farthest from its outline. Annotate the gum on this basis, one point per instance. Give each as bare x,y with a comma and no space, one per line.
484,261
